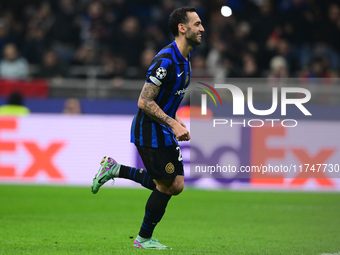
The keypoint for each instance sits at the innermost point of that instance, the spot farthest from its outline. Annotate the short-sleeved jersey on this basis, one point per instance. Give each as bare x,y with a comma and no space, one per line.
171,72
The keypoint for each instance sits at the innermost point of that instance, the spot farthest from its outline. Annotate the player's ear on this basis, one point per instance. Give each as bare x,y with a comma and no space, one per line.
182,28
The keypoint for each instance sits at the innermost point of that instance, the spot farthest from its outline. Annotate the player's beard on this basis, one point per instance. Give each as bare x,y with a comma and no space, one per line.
191,38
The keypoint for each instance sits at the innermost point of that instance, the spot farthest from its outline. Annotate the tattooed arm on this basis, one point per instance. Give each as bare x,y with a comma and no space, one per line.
147,103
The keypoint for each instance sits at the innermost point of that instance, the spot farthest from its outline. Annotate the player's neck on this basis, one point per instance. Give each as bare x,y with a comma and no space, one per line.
183,47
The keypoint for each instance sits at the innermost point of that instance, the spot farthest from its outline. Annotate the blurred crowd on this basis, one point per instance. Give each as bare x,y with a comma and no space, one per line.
262,38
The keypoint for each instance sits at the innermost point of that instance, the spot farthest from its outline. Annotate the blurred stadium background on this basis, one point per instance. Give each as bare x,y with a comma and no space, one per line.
80,66
87,59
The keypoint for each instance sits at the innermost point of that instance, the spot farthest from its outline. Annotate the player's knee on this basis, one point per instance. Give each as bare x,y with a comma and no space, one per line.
177,189
171,187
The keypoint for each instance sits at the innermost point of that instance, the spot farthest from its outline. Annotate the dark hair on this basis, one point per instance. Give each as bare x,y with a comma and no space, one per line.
178,16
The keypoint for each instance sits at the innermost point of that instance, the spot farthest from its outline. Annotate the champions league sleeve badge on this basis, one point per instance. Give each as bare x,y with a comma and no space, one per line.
161,73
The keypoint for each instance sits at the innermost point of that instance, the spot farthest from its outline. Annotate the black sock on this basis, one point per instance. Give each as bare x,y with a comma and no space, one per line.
154,211
138,175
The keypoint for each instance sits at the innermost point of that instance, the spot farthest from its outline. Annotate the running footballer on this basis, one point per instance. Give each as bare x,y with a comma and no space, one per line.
156,128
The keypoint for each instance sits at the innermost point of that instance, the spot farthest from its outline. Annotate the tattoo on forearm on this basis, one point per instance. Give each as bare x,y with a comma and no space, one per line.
148,94
149,91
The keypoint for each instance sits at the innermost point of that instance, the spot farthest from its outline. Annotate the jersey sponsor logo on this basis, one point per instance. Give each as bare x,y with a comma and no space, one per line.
180,92
155,81
161,73
178,75
170,168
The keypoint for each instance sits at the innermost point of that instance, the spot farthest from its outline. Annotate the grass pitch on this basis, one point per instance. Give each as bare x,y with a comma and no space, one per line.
71,220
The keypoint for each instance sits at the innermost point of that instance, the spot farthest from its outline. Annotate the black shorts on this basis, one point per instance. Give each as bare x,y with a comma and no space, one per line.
162,163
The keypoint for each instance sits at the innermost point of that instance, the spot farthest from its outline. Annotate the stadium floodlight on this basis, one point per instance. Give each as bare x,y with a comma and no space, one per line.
226,11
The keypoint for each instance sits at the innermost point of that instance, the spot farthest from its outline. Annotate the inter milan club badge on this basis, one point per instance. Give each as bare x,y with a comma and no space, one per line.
170,168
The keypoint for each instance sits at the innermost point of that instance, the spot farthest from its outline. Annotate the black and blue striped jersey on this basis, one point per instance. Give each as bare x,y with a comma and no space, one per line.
171,72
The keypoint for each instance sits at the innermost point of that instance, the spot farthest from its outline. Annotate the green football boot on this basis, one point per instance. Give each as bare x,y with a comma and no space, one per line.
107,171
150,243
